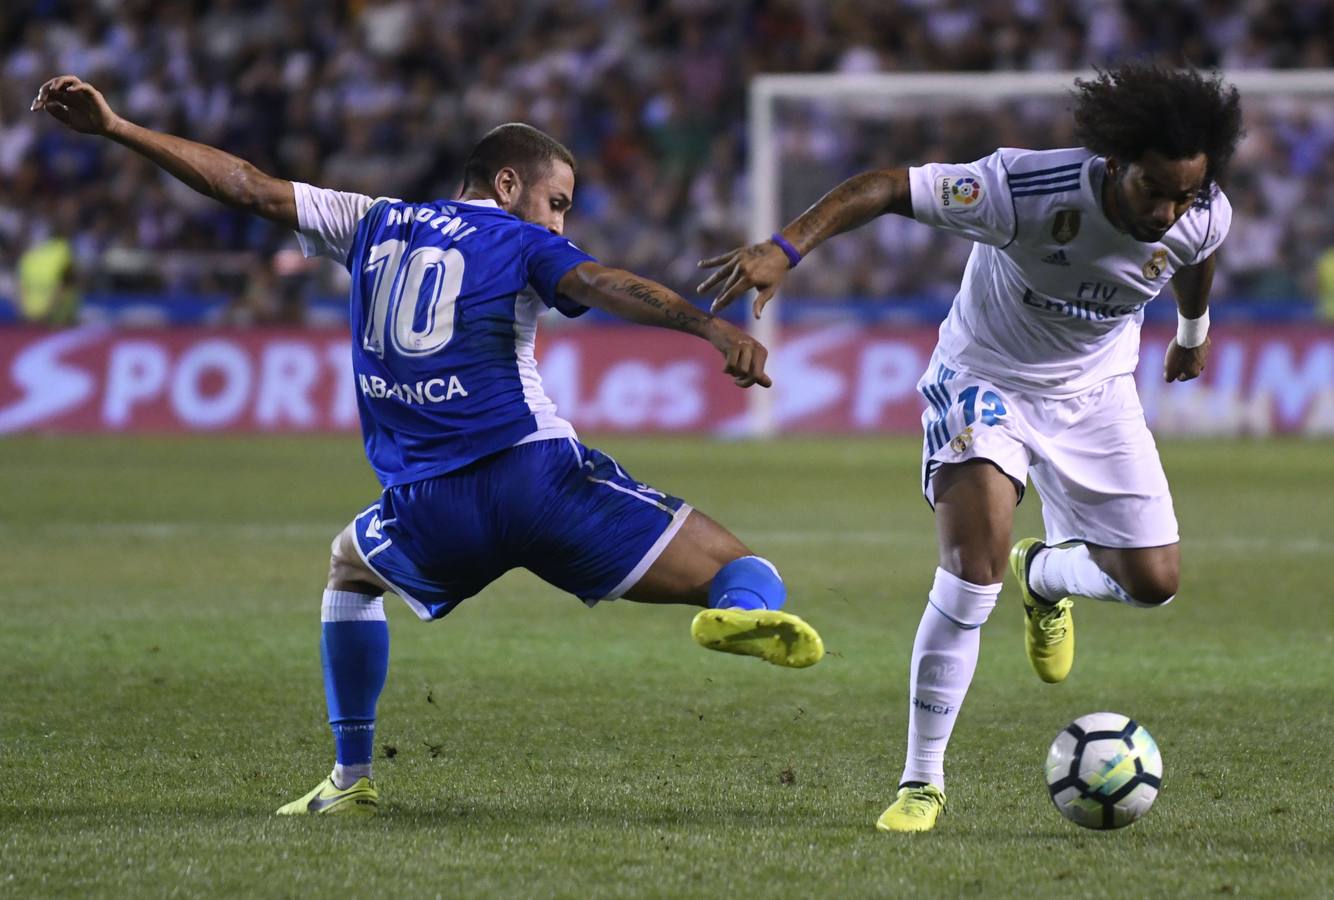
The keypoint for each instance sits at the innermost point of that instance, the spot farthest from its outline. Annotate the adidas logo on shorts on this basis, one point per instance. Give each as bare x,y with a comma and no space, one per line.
1057,259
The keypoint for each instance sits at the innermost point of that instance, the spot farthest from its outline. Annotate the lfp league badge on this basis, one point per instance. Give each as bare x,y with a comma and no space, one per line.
956,193
966,191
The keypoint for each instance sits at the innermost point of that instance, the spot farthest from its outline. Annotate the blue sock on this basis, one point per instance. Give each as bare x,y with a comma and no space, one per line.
750,582
354,649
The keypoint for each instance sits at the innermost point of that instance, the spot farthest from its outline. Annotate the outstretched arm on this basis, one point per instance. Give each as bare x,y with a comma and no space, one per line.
1191,286
646,302
210,171
763,266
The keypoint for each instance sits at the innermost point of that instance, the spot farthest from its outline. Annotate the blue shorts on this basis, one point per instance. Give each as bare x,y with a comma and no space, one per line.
565,512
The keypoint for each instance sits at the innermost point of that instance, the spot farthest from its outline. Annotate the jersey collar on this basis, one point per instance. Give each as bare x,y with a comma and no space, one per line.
1094,177
1095,172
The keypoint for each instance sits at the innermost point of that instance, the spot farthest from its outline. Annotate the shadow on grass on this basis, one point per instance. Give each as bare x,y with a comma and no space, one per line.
505,812
502,814
480,815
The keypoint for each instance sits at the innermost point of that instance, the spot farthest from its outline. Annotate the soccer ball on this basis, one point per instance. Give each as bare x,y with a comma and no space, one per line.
1103,771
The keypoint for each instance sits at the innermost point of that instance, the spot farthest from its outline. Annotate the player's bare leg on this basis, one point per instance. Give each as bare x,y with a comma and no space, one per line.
1148,575
684,571
974,504
706,565
355,650
347,570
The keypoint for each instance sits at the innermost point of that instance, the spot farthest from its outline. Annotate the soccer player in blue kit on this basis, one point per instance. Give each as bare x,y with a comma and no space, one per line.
479,473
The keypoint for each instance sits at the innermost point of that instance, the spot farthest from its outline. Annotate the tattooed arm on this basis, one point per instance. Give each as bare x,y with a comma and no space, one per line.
646,302
763,266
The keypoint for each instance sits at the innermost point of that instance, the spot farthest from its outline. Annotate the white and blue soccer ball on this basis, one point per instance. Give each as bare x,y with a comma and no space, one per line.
1104,771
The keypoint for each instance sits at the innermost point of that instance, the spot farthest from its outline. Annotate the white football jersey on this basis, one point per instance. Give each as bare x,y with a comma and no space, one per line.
1053,295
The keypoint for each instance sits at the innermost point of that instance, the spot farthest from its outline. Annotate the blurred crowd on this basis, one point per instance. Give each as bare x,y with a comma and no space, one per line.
387,96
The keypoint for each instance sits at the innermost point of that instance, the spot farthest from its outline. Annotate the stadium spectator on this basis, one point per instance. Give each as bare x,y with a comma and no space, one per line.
650,96
1324,280
47,274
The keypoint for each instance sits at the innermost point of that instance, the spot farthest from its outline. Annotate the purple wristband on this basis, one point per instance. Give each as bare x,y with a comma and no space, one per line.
793,257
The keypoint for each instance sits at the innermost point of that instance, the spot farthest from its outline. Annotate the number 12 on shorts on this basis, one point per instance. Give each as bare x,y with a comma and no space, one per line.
990,408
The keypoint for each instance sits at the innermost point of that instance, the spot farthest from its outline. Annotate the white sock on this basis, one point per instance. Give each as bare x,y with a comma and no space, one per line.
1070,571
346,606
346,776
944,657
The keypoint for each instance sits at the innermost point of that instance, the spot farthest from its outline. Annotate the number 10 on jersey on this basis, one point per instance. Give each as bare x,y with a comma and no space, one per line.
425,322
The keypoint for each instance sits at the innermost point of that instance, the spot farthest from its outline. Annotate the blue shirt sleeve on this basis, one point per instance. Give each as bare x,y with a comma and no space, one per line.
547,258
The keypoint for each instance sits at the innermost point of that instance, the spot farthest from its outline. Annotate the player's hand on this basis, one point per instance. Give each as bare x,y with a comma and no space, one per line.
1185,363
75,103
745,355
761,266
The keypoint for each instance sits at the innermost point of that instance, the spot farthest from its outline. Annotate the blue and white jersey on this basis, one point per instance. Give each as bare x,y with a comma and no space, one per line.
443,324
1053,295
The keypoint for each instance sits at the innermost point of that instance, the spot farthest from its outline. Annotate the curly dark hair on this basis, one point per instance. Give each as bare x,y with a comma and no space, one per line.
1136,108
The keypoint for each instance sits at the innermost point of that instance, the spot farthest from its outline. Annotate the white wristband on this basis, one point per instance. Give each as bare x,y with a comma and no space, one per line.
1192,332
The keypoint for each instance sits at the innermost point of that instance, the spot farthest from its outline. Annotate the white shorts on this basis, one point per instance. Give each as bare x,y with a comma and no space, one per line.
1091,457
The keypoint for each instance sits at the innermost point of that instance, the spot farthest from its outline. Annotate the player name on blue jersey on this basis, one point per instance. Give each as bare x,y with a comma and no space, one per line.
447,222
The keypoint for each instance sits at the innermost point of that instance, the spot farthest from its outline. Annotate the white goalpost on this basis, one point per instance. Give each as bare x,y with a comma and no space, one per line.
766,172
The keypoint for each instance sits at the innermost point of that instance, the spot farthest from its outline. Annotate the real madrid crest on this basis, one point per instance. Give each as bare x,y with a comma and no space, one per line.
1065,226
1156,265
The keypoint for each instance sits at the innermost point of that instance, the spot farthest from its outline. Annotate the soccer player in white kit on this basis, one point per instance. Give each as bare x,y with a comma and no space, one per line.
1033,373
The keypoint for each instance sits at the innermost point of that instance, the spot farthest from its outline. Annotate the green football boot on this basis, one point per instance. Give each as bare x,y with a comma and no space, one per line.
914,809
775,637
327,799
1049,633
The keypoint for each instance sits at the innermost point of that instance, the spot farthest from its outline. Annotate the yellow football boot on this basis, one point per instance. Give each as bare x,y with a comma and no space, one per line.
360,799
775,637
914,809
1049,635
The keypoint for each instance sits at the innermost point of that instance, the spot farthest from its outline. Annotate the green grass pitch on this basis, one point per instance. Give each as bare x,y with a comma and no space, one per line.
161,694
